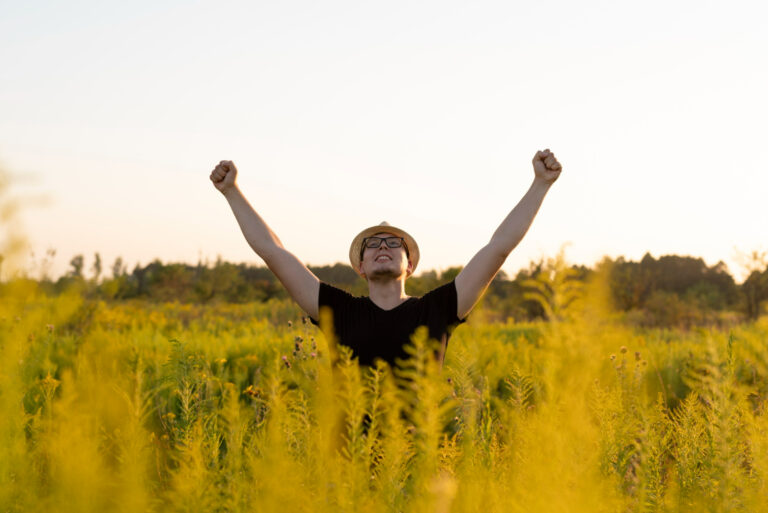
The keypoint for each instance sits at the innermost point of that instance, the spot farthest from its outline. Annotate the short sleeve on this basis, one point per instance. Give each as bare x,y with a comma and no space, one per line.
333,298
443,305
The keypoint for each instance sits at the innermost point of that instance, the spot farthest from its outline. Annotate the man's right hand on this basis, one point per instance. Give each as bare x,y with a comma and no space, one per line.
223,176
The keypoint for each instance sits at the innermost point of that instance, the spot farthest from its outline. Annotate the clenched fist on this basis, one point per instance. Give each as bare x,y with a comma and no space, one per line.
546,166
223,176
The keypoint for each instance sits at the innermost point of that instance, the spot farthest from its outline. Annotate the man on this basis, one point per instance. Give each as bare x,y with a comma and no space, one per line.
380,325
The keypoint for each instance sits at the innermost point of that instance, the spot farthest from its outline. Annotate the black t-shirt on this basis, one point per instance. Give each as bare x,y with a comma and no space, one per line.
372,332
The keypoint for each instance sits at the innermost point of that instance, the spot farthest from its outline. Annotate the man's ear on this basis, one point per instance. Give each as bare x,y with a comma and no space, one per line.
409,269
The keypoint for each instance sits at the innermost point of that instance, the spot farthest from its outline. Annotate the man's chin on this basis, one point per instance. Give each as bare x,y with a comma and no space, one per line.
384,275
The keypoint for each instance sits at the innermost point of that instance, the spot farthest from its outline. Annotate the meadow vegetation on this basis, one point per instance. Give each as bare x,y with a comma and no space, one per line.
140,405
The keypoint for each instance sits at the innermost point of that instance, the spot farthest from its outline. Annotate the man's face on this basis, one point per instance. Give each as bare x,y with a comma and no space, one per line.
384,263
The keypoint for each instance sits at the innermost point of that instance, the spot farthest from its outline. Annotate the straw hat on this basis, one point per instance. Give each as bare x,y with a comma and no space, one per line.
384,227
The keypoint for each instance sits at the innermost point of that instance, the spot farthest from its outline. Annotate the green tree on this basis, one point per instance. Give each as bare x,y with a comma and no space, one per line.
77,266
755,291
118,268
96,267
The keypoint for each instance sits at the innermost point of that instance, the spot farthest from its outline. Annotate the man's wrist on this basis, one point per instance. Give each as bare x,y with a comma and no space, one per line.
540,182
229,192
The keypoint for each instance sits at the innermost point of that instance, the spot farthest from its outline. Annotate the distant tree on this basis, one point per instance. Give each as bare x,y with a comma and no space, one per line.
226,277
678,274
421,284
45,265
451,273
755,290
665,308
630,283
118,269
170,282
341,276
96,267
634,283
755,260
77,266
671,290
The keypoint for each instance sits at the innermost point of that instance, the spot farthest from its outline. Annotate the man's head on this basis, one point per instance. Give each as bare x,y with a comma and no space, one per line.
384,252
384,256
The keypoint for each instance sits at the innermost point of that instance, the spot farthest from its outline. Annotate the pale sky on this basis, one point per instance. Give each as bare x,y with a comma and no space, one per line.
425,114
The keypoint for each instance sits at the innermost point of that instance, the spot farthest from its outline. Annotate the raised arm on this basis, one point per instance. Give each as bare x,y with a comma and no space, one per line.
302,285
475,277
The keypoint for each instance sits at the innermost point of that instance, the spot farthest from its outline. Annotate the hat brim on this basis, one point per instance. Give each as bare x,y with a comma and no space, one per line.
357,245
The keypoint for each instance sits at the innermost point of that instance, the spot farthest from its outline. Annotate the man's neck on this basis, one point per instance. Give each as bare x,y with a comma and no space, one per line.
387,294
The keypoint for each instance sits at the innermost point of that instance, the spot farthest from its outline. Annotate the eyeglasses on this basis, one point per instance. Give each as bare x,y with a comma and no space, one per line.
375,242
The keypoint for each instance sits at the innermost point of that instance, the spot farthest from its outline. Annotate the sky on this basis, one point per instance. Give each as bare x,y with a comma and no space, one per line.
426,114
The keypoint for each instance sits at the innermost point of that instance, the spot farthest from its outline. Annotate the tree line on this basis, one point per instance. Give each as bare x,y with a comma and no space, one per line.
670,290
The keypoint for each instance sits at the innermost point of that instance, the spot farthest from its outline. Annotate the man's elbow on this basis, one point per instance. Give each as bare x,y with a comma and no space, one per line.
498,252
268,252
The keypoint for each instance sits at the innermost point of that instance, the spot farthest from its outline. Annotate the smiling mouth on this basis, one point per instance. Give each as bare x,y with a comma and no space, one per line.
379,258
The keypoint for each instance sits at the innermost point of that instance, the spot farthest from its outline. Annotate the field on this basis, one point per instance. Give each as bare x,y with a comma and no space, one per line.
170,407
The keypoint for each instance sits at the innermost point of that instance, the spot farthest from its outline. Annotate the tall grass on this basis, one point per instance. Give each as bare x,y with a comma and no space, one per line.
138,407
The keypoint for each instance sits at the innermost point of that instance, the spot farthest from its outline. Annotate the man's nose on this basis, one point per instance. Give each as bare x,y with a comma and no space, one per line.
385,249
382,250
